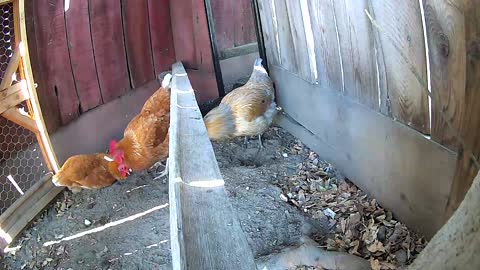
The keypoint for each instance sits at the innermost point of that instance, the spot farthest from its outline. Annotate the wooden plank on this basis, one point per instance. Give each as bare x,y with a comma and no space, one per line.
446,43
403,22
109,48
181,12
303,51
329,65
245,32
6,216
225,15
161,34
192,43
27,207
270,31
13,89
384,99
14,115
54,56
239,51
203,51
11,69
137,40
353,138
285,37
26,68
81,54
201,217
13,100
47,97
203,46
357,51
467,168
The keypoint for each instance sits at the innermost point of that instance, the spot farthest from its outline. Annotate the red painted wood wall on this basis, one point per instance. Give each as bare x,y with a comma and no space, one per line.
86,53
234,23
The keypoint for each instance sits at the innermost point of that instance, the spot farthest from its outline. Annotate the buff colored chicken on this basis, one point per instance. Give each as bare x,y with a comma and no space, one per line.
89,172
246,111
145,140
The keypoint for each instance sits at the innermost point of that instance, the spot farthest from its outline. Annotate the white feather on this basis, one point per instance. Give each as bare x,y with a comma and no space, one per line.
166,80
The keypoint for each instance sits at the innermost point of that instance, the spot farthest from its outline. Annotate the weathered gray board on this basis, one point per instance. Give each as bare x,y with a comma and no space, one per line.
407,173
205,232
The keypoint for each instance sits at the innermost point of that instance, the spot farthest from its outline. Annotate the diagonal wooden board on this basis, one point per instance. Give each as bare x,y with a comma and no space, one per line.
205,231
25,209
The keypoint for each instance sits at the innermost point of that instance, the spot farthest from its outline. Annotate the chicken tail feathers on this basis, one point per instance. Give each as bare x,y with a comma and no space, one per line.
166,80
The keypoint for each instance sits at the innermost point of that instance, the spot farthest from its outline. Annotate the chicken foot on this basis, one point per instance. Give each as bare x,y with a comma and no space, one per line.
260,143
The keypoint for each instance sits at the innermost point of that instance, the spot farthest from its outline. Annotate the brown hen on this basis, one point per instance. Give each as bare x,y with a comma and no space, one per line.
145,140
246,111
89,172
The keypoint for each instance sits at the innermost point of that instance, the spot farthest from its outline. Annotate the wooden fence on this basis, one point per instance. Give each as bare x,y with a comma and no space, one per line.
352,75
87,53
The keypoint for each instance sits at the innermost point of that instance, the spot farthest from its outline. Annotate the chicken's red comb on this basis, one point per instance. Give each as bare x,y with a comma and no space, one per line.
113,146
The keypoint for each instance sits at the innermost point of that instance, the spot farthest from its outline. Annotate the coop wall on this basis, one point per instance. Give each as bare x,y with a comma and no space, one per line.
388,99
88,53
236,39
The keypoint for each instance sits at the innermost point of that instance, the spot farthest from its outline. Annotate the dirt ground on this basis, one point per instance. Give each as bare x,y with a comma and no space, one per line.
126,226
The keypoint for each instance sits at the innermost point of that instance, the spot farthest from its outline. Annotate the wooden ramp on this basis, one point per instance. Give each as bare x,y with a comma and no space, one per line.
205,232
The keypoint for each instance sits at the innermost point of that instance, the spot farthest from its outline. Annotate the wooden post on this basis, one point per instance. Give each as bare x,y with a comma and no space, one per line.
205,231
467,167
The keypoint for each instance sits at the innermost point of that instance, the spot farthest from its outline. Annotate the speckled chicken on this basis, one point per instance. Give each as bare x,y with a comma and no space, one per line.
89,172
246,111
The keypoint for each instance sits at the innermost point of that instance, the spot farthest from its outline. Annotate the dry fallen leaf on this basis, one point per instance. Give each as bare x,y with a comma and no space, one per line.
376,247
359,224
375,264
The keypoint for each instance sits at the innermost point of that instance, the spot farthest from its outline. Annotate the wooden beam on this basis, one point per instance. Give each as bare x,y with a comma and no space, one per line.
26,208
16,116
20,86
406,172
3,2
13,99
205,231
239,51
11,69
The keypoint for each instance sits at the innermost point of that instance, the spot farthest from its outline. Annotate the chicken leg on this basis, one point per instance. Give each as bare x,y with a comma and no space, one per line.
260,141
164,172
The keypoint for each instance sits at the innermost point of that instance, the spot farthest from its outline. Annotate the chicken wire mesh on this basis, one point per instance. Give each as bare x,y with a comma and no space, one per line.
21,160
7,37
